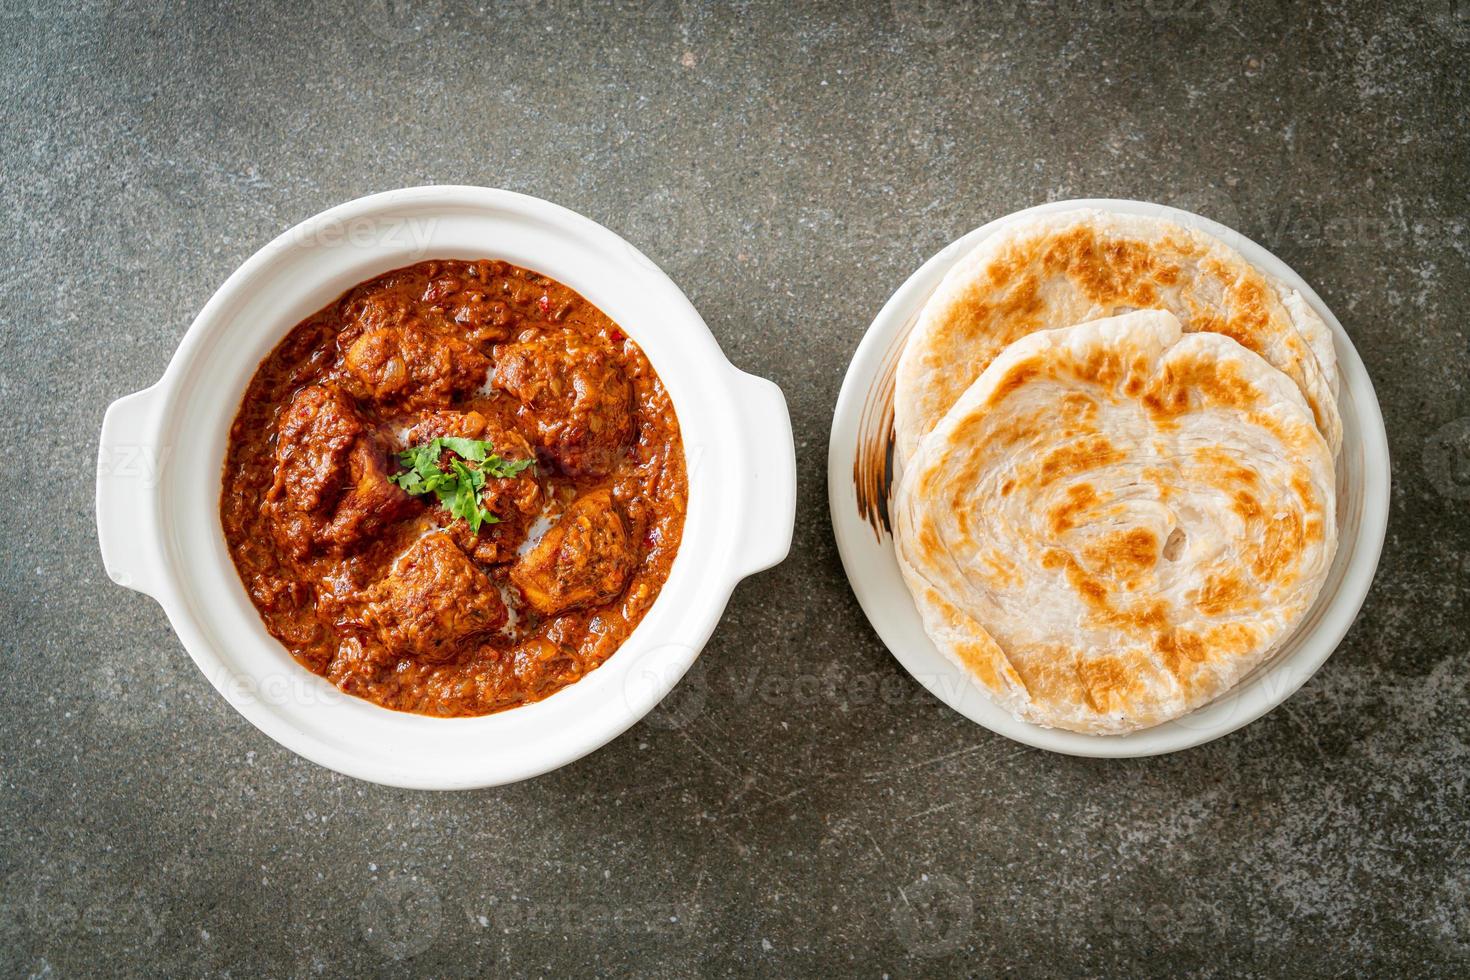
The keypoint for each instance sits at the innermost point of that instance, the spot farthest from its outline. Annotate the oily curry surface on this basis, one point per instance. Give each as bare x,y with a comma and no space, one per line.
455,490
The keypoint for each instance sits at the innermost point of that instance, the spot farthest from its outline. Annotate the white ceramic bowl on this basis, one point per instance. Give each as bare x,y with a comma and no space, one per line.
158,485
863,418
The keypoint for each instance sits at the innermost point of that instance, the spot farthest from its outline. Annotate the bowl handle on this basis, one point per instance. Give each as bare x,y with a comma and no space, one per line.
770,462
128,470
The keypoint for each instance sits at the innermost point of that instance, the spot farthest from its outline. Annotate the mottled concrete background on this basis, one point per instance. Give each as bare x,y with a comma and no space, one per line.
788,168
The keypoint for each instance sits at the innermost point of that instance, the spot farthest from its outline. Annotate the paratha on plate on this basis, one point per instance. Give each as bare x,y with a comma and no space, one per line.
1117,521
1065,268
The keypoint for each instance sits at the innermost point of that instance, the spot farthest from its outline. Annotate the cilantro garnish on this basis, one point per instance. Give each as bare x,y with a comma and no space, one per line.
459,488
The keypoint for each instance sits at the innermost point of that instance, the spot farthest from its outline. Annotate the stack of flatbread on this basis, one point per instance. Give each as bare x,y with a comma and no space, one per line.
1117,441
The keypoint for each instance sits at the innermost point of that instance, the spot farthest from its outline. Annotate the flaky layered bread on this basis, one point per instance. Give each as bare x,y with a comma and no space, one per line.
1066,268
1315,332
1117,521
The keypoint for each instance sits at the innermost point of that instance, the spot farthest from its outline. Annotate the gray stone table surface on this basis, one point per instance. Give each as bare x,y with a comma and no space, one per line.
788,166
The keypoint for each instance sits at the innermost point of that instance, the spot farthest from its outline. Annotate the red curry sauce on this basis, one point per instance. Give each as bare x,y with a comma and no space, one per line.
390,596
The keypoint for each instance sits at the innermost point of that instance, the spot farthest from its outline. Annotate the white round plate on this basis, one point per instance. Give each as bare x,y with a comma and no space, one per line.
860,453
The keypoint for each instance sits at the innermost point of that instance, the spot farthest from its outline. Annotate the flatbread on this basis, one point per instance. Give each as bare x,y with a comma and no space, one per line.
1072,266
1117,521
1314,331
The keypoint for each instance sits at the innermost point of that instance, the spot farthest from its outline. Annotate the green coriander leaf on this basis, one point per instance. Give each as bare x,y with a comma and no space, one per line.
426,457
458,488
473,450
409,480
505,468
414,457
467,505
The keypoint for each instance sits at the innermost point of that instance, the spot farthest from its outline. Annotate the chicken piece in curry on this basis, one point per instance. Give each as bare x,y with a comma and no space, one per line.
455,490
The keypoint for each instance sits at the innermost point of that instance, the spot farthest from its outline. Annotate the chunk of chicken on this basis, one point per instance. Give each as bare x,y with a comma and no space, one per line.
407,363
381,303
433,602
331,486
371,505
586,559
575,397
314,439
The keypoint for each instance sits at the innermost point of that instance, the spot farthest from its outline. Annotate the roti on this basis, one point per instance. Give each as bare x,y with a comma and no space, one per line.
1117,521
1066,268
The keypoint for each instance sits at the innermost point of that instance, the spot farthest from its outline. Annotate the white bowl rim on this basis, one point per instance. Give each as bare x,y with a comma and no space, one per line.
744,463
894,617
